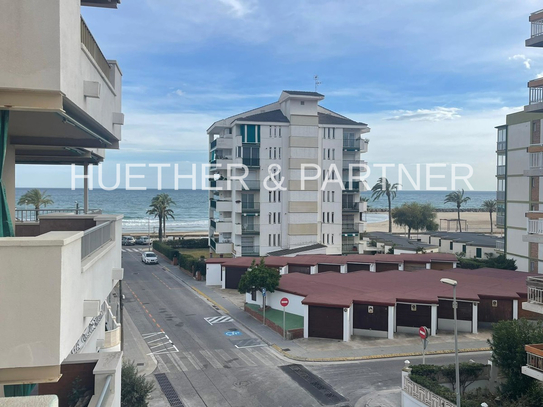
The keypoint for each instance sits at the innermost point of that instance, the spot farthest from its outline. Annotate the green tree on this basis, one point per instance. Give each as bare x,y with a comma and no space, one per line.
490,206
458,198
384,188
259,277
37,199
415,216
160,208
508,354
469,374
135,388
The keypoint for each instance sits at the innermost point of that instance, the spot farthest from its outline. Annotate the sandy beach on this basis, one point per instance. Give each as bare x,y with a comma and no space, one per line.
476,222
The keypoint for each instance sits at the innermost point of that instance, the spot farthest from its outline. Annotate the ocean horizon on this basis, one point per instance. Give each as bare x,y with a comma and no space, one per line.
192,209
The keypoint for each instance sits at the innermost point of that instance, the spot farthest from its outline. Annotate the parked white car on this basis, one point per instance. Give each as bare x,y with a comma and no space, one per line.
149,258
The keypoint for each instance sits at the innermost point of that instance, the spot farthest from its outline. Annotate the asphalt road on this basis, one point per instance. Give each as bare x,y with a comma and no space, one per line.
210,360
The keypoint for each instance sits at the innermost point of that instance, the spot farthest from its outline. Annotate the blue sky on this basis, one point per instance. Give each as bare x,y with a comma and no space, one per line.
431,78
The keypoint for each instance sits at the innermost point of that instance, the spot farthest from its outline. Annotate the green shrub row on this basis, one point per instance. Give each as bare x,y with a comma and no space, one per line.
165,249
189,243
434,387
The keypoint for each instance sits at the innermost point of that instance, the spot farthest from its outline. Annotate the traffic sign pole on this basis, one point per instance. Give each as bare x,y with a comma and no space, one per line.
264,306
423,333
284,326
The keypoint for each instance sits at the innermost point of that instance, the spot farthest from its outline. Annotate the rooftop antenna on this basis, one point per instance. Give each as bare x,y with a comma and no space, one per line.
317,82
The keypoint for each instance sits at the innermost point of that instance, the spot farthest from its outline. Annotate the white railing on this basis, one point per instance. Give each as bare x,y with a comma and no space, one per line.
501,145
96,237
424,395
537,28
536,160
500,245
33,215
500,170
536,95
535,226
535,290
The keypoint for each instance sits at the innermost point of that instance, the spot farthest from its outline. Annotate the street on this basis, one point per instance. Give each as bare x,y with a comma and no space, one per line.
205,358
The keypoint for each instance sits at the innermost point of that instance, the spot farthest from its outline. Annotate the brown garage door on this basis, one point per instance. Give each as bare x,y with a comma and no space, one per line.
502,311
325,322
410,266
406,317
357,267
441,265
299,269
376,320
233,275
328,267
385,266
464,311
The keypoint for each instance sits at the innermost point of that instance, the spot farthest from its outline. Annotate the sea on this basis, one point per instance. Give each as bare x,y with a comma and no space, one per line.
192,206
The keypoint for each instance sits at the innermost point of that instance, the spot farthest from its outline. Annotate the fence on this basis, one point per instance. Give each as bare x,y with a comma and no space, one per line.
91,45
96,237
424,395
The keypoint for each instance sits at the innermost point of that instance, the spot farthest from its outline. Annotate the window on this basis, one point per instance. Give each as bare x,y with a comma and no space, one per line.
479,252
238,152
302,102
253,293
278,217
332,239
279,132
269,153
279,155
327,217
270,196
332,217
269,240
333,199
269,218
279,240
323,219
274,239
334,137
250,133
279,196
450,245
323,196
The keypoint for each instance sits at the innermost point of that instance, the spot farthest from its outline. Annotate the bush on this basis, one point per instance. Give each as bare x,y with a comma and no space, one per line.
434,387
497,262
189,243
186,261
165,249
135,388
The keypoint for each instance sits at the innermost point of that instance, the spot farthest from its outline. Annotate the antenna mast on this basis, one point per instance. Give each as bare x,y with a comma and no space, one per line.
317,82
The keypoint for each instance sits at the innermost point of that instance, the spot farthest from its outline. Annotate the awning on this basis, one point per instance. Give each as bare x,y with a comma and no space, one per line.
6,227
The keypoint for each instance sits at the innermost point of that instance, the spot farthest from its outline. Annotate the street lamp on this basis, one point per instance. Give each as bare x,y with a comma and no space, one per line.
454,283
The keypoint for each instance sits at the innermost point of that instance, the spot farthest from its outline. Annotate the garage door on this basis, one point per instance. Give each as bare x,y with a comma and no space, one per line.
357,267
499,311
233,275
464,311
367,316
441,266
299,269
410,266
329,267
325,322
420,315
386,266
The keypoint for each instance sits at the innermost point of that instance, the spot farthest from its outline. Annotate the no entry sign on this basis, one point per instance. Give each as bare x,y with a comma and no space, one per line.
423,332
284,301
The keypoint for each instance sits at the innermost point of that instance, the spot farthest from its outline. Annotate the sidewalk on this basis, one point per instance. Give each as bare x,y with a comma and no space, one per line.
135,348
330,350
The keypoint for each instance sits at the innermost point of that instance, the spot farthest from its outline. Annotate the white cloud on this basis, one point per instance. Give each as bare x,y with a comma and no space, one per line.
433,115
178,92
525,60
239,8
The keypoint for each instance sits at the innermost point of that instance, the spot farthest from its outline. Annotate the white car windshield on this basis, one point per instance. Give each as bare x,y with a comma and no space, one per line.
150,255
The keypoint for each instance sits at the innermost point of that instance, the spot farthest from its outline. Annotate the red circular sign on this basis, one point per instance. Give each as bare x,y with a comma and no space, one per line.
284,301
423,332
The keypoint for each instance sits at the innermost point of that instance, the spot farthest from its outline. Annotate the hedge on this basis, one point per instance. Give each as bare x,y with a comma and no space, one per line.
186,262
165,249
190,243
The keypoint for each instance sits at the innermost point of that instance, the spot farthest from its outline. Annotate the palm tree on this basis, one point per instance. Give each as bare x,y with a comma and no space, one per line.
458,198
489,206
385,188
37,199
160,207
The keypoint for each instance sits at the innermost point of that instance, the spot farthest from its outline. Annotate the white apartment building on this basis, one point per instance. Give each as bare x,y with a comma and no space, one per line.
534,352
60,103
287,136
520,174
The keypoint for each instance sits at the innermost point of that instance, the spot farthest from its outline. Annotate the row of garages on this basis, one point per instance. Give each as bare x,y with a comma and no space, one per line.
373,320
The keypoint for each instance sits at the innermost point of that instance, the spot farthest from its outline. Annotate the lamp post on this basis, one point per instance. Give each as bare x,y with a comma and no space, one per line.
454,283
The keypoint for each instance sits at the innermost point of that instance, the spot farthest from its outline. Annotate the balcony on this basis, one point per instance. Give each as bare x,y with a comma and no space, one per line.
252,185
348,248
352,186
500,220
68,265
500,195
535,164
250,207
223,226
251,161
534,295
349,228
500,245
363,206
350,207
535,231
535,102
501,146
250,228
534,361
356,144
87,39
500,170
222,143
250,250
356,165
536,35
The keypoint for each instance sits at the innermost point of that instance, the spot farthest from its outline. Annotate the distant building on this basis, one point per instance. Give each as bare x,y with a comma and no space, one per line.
473,245
289,133
519,174
383,242
60,103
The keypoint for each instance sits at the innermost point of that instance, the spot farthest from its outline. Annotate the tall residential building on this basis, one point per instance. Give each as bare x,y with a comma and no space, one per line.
276,142
534,352
520,173
60,103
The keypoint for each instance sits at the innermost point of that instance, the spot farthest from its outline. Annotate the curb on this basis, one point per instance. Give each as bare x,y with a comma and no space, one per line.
373,357
209,299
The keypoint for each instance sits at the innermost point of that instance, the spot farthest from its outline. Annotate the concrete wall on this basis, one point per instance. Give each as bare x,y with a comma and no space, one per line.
213,274
295,305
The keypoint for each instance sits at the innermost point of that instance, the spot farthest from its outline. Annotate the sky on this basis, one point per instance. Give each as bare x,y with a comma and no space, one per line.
432,79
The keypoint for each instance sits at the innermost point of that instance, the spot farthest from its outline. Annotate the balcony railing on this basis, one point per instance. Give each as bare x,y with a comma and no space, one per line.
213,204
213,244
536,94
349,228
96,237
213,224
252,185
534,356
535,226
535,290
29,215
500,220
251,162
349,248
501,145
500,170
350,206
537,28
213,144
250,207
536,160
91,45
352,186
500,195
357,165
250,250
250,228
500,245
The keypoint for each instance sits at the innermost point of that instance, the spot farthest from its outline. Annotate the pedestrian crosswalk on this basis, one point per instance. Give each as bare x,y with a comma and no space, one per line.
218,319
196,360
134,250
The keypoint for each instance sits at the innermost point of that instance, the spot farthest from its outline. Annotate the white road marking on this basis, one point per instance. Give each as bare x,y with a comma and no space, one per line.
244,357
193,360
218,320
161,365
227,358
211,359
148,335
259,357
178,362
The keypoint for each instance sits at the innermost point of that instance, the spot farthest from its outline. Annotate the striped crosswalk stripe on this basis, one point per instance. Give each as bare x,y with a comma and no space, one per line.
218,320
